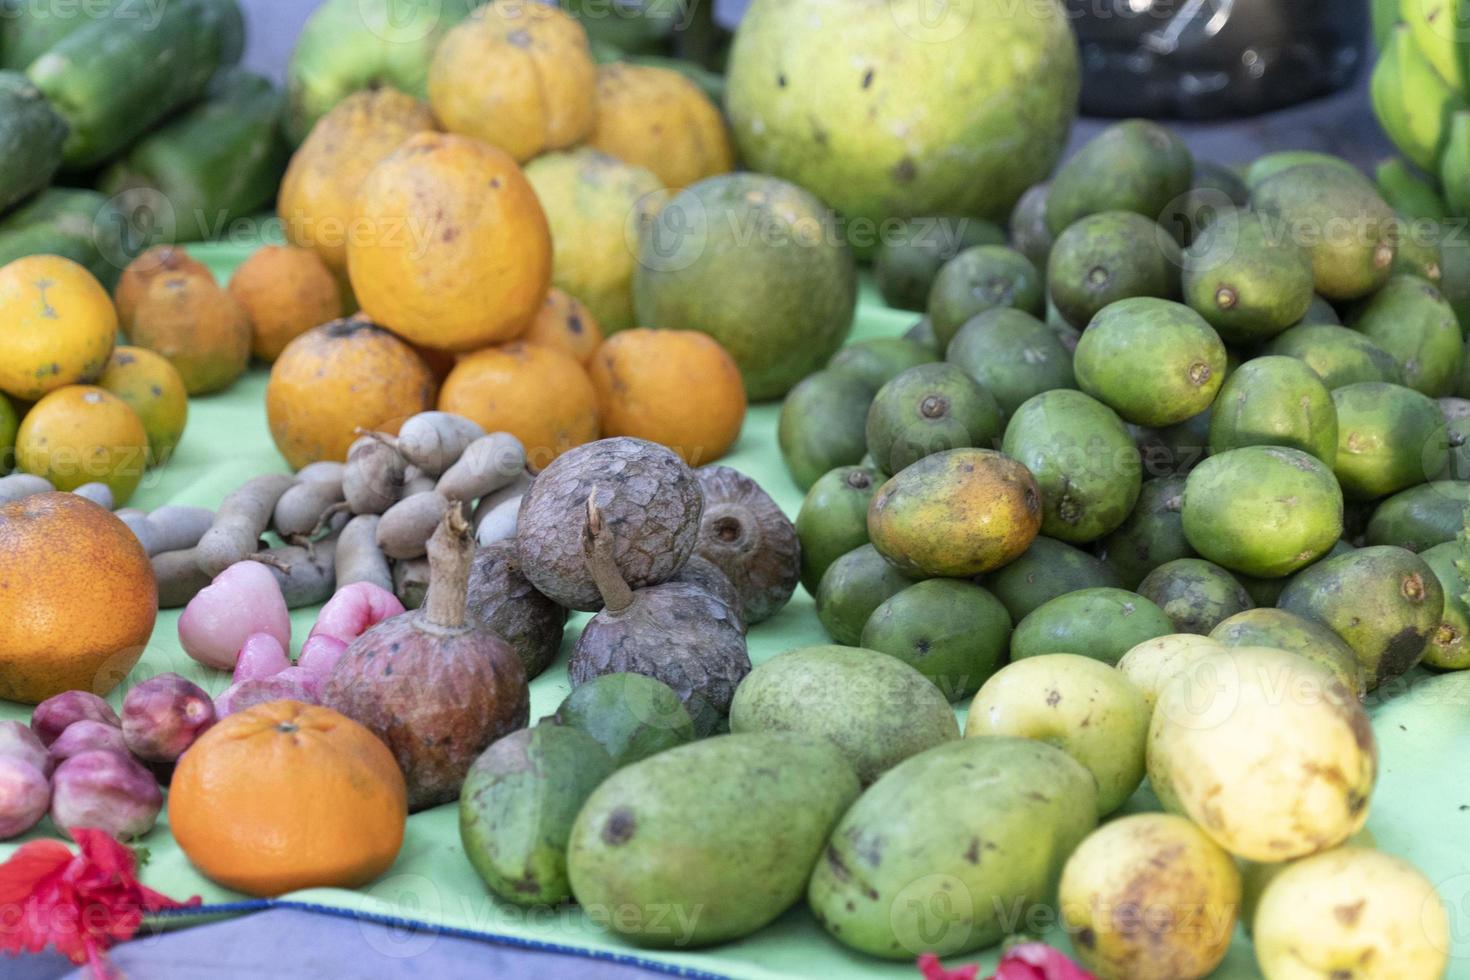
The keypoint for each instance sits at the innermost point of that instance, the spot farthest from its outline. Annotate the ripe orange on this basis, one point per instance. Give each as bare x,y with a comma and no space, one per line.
675,387
84,434
285,796
537,394
152,387
57,326
567,325
285,291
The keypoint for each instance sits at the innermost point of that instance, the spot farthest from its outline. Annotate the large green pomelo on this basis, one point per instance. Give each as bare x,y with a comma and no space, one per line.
899,108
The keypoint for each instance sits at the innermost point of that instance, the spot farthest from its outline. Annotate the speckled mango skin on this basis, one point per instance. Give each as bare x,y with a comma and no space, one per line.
956,514
1283,630
888,108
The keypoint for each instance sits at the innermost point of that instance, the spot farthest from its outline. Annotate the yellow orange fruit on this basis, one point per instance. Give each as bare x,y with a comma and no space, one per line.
285,291
516,74
133,284
84,434
657,118
57,326
80,598
452,249
679,388
336,378
152,388
567,325
285,796
189,319
540,395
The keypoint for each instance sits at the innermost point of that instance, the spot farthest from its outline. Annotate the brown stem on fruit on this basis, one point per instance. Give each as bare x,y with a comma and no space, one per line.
597,545
383,437
451,552
325,521
271,561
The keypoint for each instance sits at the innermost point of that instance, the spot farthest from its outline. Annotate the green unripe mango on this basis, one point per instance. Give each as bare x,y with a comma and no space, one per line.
1047,569
1152,535
911,255
953,632
1412,321
1283,630
851,588
1013,355
1339,356
984,277
1102,624
1449,646
823,425
833,519
1389,438
881,359
1152,361
1421,517
1195,594
1246,281
929,409
1134,165
1275,401
1107,257
632,716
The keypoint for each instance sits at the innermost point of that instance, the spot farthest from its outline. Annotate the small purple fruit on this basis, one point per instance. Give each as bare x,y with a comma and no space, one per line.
162,717
19,742
108,791
24,796
55,715
87,736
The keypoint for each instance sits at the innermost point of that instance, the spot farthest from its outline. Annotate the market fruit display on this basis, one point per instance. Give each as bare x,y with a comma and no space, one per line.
656,118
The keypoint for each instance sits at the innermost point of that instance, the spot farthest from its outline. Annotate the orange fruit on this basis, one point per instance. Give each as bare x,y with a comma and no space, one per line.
567,325
450,247
189,319
657,118
285,291
57,326
154,391
80,598
84,434
336,378
679,388
133,284
516,74
285,796
538,394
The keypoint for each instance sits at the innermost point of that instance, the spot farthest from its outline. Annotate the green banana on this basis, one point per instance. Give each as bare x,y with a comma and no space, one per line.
1440,29
1412,101
1385,16
1408,192
1454,171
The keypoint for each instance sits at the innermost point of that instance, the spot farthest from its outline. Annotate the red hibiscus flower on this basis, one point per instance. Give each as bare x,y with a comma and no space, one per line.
81,904
1027,961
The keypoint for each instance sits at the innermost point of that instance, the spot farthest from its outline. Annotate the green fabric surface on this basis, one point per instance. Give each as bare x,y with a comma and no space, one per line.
1421,810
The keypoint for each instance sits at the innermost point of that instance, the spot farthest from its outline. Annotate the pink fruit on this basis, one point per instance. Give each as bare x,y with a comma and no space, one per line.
55,715
19,742
162,717
87,736
107,791
261,656
354,610
243,599
320,654
285,686
24,796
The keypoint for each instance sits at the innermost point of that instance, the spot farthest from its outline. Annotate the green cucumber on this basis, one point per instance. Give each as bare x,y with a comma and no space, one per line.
221,160
113,80
31,134
80,225
29,29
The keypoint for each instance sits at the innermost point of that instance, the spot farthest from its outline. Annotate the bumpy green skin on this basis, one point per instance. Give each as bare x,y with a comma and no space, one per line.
517,807
1029,234
351,45
710,841
1321,311
876,709
1383,602
1153,534
880,360
1195,594
824,425
83,226
1267,627
30,139
1152,361
1047,569
1319,197
1107,257
929,409
889,110
96,78
1449,647
833,519
953,632
1275,401
1135,165
1421,517
1389,438
1339,356
1102,624
632,716
1084,460
1413,322
985,277
1013,354
759,265
1215,190
1247,281
910,258
852,587
220,161
1233,513
1268,166
987,824
29,30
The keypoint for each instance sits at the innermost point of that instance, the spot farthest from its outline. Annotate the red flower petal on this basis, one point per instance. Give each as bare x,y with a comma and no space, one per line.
1038,961
932,969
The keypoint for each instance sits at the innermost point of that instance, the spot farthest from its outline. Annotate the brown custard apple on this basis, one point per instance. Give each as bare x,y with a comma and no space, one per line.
744,532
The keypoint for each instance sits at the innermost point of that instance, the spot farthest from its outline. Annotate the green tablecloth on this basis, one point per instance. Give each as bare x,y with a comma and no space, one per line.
1421,810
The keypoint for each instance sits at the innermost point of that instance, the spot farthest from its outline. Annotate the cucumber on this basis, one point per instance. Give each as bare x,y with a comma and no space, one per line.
112,80
31,134
221,160
29,29
80,225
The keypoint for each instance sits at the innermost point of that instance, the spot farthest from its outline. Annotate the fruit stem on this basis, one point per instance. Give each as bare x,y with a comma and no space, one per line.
597,545
451,552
